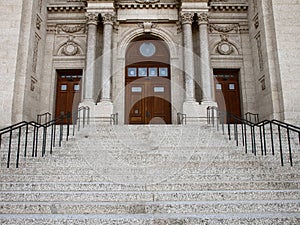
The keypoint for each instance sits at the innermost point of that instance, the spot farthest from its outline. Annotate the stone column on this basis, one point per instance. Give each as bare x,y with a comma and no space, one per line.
205,58
187,19
89,89
108,19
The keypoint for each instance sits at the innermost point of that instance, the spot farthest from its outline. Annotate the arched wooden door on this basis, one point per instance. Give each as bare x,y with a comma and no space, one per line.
148,93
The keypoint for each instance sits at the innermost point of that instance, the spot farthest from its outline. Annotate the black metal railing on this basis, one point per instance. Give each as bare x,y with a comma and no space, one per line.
253,117
114,119
264,134
35,137
181,118
44,118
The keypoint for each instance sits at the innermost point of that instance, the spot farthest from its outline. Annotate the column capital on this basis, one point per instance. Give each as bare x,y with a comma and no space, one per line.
186,17
202,18
108,18
92,18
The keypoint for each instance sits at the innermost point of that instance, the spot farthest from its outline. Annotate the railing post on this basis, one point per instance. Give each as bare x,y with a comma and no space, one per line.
51,140
44,141
290,148
36,142
280,145
9,148
18,149
264,135
246,144
68,125
272,139
26,141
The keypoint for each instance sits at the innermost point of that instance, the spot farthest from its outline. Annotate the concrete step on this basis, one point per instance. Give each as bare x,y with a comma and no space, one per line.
147,196
166,186
154,219
188,207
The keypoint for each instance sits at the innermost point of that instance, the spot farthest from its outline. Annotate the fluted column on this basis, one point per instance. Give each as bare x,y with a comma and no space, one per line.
187,19
89,82
205,58
108,19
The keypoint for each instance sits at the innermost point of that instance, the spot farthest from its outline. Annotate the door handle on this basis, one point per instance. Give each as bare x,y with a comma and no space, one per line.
147,114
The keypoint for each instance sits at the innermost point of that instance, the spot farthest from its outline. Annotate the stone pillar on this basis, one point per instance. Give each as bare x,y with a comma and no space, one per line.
108,19
187,19
206,75
89,82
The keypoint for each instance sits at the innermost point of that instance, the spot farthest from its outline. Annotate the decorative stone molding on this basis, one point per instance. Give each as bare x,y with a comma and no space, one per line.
147,1
224,29
202,18
53,9
225,5
40,5
225,47
187,18
147,4
38,23
70,48
92,18
179,27
147,26
37,39
256,21
51,29
71,28
108,18
259,51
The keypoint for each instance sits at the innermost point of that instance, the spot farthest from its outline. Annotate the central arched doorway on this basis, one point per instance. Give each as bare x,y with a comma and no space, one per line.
147,80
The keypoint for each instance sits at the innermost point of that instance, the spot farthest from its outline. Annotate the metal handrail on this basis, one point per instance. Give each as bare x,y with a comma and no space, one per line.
250,115
35,138
181,118
220,118
47,117
114,119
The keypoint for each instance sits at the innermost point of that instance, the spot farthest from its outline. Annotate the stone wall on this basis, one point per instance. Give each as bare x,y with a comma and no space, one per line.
10,22
287,30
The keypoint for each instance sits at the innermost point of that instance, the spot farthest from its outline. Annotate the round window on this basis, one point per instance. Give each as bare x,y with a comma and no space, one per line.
147,49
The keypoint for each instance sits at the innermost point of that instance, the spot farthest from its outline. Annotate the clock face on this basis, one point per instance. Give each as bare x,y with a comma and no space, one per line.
147,49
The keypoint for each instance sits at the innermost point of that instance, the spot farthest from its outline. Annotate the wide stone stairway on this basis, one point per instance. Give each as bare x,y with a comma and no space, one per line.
154,174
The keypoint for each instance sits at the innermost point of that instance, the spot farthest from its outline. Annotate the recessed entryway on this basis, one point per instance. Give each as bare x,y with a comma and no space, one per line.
68,92
147,80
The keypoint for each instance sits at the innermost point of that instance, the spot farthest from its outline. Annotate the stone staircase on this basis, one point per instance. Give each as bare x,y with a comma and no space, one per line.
150,175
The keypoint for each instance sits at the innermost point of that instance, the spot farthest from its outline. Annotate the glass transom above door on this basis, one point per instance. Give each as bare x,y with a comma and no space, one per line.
147,72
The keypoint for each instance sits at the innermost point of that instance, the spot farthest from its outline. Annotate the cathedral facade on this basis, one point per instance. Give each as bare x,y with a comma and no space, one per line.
147,60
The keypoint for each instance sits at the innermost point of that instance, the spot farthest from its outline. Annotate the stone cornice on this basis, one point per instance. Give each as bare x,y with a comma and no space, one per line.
228,5
140,4
56,8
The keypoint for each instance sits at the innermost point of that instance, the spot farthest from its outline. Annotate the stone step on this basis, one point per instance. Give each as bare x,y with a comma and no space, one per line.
198,177
189,207
152,219
143,196
166,186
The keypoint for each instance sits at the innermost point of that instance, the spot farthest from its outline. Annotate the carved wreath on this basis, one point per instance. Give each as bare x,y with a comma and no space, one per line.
70,49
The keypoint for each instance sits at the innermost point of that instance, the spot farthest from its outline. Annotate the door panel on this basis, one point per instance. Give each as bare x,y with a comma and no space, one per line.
68,92
147,98
227,91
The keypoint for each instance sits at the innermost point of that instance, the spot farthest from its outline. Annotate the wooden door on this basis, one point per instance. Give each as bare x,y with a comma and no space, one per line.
227,91
68,92
148,95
